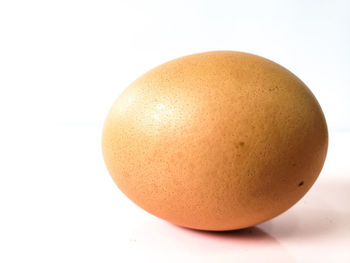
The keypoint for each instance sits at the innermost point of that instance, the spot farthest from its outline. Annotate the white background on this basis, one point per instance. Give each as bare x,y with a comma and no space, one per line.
63,63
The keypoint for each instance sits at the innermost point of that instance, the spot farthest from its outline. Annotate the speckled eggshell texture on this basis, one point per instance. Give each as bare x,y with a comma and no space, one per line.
215,141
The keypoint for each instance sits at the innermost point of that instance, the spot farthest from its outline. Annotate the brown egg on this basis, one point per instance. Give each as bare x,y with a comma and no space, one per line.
215,141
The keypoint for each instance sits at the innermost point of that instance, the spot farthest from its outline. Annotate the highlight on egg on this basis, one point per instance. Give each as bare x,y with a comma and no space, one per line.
218,141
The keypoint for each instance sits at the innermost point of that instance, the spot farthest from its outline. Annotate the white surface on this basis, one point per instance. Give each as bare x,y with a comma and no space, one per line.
60,205
63,63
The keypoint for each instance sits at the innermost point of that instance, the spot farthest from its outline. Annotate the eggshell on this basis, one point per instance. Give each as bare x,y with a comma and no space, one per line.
215,141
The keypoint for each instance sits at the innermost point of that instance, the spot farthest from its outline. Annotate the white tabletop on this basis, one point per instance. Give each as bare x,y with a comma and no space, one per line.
59,204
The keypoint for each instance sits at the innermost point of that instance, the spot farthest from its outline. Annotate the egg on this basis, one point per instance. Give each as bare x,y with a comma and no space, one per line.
216,141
